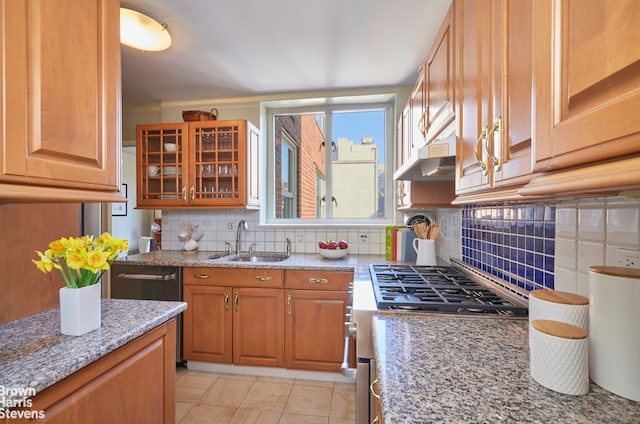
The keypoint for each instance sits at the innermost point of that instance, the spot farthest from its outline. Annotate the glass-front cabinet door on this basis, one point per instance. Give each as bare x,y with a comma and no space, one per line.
203,164
162,152
218,159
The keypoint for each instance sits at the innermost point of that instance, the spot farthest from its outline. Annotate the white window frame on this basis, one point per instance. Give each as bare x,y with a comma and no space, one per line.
293,177
329,105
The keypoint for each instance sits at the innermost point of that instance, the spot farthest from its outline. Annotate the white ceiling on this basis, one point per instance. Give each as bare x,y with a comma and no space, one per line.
235,48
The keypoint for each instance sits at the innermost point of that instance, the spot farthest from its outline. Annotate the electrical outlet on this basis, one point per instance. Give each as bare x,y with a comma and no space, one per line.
629,258
229,225
299,237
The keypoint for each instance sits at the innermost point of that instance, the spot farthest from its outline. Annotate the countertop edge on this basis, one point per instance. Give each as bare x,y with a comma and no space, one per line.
35,355
474,369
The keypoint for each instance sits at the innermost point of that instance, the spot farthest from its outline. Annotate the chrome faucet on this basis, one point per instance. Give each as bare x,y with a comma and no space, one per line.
288,247
242,225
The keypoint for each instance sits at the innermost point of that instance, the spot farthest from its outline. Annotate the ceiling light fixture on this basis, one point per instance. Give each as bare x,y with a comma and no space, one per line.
142,32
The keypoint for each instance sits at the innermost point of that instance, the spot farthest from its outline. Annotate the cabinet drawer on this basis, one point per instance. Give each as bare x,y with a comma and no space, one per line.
237,277
318,280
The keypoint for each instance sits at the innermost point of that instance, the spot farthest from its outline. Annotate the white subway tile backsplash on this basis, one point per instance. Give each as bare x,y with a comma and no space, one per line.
566,253
582,284
622,225
565,279
303,239
587,232
566,222
591,224
589,254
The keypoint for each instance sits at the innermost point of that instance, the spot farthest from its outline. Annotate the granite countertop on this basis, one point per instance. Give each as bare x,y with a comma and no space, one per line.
33,353
452,369
356,263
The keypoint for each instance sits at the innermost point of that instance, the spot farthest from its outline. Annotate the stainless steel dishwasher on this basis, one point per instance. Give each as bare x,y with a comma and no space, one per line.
146,282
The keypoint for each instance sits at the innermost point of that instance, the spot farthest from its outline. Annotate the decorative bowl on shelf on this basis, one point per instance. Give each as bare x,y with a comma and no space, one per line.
333,254
170,147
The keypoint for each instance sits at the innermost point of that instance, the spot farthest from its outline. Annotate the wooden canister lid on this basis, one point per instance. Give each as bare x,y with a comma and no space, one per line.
559,329
564,298
617,271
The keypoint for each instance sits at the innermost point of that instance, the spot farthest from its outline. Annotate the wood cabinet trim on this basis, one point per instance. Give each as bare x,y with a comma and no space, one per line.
602,178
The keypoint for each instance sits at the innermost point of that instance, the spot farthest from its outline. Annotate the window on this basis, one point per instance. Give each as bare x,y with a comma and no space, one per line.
328,162
287,185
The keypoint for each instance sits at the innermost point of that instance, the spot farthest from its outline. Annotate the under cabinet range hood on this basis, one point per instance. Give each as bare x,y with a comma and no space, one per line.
435,161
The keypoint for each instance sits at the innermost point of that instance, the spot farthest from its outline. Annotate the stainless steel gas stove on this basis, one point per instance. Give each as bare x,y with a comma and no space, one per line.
440,289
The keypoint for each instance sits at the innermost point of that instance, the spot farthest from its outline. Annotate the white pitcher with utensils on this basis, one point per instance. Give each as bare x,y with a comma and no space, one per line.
425,251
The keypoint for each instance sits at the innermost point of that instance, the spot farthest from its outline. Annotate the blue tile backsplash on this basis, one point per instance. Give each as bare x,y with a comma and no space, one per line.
515,243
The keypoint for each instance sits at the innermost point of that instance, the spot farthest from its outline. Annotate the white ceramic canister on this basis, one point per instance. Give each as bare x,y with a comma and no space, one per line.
559,356
559,306
614,329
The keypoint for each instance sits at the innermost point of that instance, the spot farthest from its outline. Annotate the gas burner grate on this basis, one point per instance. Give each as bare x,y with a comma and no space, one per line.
436,289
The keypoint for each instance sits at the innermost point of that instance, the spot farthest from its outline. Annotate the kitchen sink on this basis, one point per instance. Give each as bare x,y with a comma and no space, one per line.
218,255
259,257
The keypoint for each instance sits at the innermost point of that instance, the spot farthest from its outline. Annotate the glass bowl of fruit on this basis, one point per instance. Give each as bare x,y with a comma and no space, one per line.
333,249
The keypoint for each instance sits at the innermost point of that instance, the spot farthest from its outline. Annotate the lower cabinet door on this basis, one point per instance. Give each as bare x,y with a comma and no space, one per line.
258,327
208,323
314,329
133,384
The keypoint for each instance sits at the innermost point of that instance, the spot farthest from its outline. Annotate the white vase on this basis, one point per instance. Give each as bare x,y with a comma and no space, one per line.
80,310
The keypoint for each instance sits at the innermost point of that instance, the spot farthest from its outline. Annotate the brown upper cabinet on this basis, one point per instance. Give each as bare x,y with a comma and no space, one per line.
439,109
203,164
430,108
494,109
428,112
588,81
587,90
60,138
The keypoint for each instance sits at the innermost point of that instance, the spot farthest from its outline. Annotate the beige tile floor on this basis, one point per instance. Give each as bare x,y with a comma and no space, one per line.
203,397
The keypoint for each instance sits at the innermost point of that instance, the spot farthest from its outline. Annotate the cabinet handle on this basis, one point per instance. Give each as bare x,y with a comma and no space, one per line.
318,280
421,126
373,392
480,144
201,276
235,301
263,278
495,131
192,193
423,123
184,192
289,304
226,301
401,193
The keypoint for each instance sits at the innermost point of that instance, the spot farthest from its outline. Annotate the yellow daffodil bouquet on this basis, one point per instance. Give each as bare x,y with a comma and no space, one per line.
81,260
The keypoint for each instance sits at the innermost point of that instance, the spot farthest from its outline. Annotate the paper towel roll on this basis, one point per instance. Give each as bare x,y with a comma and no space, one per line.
559,306
614,339
559,356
